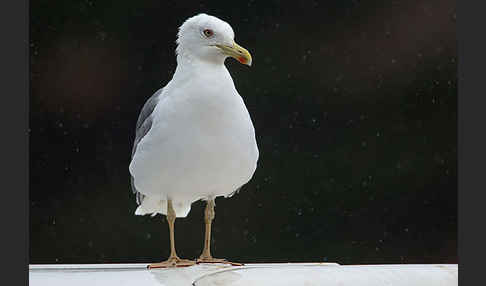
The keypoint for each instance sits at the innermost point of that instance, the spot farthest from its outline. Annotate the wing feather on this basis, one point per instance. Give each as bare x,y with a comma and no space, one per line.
144,123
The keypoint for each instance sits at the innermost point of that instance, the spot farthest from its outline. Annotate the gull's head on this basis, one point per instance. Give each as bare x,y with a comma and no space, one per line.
207,38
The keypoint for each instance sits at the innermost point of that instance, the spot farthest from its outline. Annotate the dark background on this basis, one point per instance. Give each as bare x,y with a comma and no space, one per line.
354,105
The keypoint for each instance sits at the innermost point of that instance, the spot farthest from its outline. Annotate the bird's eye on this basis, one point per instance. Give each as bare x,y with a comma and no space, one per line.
208,33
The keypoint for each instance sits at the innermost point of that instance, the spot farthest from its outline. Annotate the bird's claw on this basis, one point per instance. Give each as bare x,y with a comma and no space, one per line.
217,260
172,262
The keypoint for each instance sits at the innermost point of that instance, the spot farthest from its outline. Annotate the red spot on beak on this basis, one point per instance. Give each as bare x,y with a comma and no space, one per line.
242,60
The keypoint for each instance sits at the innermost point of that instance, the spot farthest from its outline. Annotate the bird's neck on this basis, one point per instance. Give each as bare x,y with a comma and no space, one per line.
187,61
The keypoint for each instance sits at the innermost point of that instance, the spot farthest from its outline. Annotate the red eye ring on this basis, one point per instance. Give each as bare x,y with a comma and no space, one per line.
208,32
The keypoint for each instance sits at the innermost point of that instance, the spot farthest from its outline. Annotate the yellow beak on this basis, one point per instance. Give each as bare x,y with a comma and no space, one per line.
238,52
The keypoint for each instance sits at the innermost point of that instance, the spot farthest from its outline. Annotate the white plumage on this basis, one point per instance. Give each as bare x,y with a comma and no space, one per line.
198,140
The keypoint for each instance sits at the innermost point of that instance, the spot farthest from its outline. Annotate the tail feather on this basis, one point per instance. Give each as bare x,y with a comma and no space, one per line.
153,206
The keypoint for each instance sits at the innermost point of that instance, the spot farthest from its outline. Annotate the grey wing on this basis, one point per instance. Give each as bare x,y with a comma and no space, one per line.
144,123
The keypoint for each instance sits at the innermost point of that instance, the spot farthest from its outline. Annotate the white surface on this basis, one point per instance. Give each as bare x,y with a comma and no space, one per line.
202,141
308,274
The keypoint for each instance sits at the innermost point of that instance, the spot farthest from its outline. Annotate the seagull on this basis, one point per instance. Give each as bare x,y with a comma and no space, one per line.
194,138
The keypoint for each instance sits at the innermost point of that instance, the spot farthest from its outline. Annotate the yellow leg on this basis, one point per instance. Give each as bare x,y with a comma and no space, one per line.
174,260
206,256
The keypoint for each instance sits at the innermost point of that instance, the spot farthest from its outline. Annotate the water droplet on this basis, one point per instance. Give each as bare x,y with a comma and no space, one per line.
102,35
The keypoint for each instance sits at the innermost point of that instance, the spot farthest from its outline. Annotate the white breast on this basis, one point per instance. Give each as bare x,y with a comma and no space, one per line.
201,144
